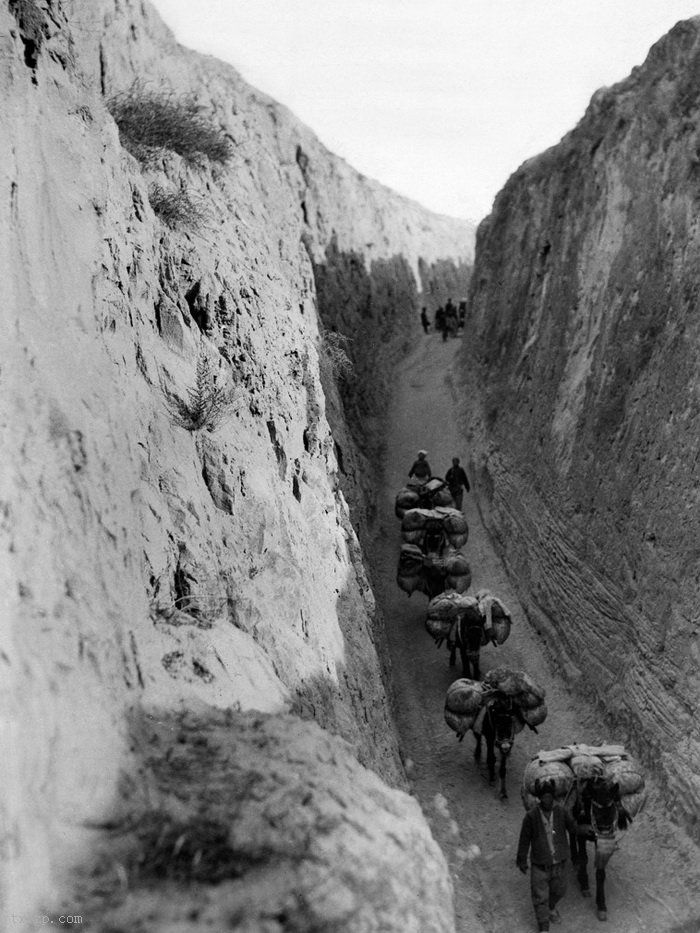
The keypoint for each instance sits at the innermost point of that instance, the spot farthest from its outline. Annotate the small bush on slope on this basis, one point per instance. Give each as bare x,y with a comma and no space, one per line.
176,208
207,403
152,120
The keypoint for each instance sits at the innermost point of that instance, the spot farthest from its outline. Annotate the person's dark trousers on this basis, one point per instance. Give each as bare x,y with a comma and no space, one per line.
457,495
547,887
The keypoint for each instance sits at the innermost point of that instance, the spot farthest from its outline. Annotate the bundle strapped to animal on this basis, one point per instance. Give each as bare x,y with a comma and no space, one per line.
496,615
426,495
527,695
573,766
463,702
409,574
444,610
448,525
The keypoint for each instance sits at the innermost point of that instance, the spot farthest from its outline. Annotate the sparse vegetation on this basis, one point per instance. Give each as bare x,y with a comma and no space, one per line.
177,208
208,402
150,121
333,358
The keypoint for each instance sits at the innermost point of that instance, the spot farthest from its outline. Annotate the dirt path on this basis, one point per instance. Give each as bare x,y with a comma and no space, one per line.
654,879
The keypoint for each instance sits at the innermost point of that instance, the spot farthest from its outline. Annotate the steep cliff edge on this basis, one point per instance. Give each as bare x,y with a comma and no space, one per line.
149,569
583,309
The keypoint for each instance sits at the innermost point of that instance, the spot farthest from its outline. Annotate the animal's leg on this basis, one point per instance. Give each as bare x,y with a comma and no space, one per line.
475,665
464,657
600,894
453,655
579,856
477,748
502,776
490,759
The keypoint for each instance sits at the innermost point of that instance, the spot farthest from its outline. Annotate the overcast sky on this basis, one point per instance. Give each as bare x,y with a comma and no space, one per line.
439,99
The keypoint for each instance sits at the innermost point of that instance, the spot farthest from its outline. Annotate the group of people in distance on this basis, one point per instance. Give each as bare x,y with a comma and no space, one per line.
456,478
449,321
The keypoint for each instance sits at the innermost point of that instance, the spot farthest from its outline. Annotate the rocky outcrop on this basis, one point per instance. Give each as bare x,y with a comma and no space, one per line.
150,565
584,300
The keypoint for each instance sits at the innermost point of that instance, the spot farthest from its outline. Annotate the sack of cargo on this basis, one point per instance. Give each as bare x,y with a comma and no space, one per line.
586,766
411,584
516,684
459,722
410,560
556,771
441,497
500,630
405,499
456,528
627,773
457,570
464,697
438,629
602,751
534,716
496,615
556,754
415,520
448,605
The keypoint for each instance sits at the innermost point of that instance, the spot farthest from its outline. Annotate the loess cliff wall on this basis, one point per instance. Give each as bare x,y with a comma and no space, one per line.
152,573
584,314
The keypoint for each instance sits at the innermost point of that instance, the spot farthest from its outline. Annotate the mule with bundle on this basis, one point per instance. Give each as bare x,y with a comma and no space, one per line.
495,715
604,787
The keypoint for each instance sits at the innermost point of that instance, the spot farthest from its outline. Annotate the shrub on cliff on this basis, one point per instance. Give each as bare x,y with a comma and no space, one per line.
333,359
177,208
208,402
149,121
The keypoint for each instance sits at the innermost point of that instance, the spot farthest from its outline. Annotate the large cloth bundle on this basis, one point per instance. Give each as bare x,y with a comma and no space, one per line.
497,615
443,611
409,575
630,778
547,770
458,573
516,684
463,701
456,527
406,498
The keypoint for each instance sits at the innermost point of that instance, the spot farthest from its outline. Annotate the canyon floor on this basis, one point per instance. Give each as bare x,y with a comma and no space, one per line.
653,880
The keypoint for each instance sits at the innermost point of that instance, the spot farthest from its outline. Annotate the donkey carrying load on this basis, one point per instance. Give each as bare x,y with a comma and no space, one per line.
603,787
496,710
415,494
466,624
430,559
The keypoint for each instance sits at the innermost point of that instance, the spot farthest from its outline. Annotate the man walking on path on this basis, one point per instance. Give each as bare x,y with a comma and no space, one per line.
457,482
424,320
543,834
421,468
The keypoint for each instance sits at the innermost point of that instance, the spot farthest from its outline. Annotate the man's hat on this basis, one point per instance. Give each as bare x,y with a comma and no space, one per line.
423,453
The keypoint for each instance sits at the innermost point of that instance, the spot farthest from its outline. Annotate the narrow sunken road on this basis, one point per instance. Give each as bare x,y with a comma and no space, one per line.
653,881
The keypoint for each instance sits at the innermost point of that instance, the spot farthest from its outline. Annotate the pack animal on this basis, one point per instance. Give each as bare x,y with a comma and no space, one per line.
497,726
599,805
467,637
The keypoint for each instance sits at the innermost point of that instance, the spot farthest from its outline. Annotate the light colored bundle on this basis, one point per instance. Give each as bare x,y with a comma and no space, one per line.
405,499
449,604
464,697
634,803
586,766
516,684
557,771
628,775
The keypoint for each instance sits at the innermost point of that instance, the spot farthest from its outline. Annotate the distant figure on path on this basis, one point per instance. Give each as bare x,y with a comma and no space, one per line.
457,482
440,322
421,468
451,318
425,320
462,313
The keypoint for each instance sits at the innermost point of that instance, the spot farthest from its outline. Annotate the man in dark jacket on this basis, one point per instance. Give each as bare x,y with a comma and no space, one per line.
457,482
544,836
421,468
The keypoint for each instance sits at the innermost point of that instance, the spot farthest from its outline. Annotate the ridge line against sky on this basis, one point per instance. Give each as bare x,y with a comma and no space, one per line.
440,101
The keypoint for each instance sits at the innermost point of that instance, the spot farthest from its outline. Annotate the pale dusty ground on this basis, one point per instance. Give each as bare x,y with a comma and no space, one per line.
653,881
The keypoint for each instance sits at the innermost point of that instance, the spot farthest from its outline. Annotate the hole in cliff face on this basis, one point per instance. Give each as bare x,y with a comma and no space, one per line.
296,489
339,457
198,308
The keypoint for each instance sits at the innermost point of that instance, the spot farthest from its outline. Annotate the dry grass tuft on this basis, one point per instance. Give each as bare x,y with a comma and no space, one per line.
333,359
150,121
208,402
177,208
